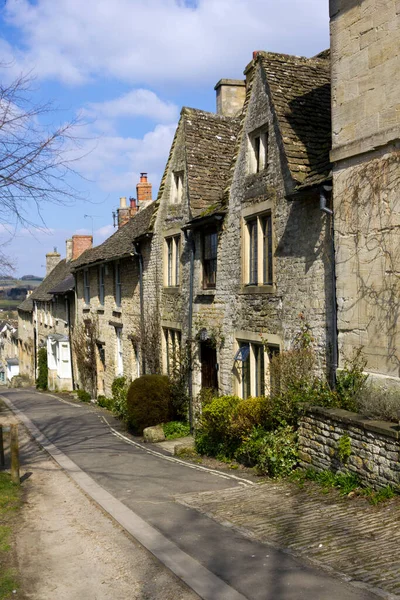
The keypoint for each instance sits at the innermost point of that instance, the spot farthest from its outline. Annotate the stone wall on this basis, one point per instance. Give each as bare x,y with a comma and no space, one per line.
375,445
365,53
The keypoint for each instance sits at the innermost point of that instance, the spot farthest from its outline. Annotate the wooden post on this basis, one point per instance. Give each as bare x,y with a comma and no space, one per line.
14,454
2,461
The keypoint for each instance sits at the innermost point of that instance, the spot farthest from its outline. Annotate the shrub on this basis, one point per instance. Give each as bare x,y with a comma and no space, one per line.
104,402
176,429
215,436
41,382
273,453
83,396
381,403
350,382
148,402
119,390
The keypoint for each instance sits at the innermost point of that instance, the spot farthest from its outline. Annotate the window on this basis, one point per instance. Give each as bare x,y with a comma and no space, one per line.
86,286
210,246
117,273
172,354
252,367
258,151
258,252
177,187
172,251
119,362
101,284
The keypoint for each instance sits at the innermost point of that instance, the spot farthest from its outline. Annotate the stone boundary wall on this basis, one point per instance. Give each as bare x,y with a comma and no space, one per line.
375,445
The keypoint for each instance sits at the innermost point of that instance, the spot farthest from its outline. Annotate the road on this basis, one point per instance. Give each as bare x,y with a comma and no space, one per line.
141,488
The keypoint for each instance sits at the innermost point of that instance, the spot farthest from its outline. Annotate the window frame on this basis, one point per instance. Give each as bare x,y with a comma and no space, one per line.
119,363
176,196
86,286
258,264
258,150
253,375
172,261
102,287
117,284
209,274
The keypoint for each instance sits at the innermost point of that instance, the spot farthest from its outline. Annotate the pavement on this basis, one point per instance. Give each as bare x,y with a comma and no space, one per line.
155,497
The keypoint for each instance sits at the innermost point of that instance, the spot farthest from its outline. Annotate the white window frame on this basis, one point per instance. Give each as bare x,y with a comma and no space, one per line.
260,215
86,286
118,284
258,150
172,249
119,363
176,187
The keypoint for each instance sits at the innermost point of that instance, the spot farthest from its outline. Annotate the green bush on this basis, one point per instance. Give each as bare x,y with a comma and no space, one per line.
273,453
176,429
83,396
149,402
41,381
119,390
105,402
215,436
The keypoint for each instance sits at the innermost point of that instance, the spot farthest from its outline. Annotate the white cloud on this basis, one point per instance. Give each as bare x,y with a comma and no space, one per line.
154,42
136,103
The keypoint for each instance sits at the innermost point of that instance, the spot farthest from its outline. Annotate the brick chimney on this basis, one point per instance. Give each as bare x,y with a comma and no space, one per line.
231,94
143,192
80,243
123,212
52,259
133,206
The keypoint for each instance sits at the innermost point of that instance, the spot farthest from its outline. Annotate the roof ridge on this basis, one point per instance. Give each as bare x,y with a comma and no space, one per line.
318,58
188,111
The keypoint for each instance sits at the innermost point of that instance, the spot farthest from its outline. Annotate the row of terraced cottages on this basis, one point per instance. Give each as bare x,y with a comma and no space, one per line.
237,245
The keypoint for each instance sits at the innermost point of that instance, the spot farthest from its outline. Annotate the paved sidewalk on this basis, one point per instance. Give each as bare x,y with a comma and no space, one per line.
345,535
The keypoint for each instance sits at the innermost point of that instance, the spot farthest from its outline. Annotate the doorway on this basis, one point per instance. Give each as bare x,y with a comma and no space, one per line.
209,366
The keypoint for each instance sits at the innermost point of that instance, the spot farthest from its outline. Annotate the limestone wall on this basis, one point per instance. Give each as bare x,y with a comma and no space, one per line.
365,54
374,445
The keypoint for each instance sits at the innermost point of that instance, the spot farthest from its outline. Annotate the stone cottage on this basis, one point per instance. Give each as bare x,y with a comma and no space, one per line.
113,294
365,38
46,318
9,362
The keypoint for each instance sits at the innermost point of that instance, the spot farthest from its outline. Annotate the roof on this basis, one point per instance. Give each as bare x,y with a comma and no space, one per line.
301,97
43,291
120,243
66,285
210,140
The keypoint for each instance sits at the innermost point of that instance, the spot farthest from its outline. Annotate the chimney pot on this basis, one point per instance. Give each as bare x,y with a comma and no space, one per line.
143,177
122,202
143,192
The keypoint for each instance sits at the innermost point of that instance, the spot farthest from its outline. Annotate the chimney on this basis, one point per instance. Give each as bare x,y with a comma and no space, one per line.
133,207
68,249
231,94
143,192
80,243
123,212
52,259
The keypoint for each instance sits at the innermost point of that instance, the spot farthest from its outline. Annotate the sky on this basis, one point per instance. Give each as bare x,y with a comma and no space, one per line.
124,69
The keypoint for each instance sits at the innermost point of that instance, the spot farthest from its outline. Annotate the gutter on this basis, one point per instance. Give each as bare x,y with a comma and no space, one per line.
190,239
324,190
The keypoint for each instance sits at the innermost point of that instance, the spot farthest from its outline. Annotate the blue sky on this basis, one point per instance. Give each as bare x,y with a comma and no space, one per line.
127,67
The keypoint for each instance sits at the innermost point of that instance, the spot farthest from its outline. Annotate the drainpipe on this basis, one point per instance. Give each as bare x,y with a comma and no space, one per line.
37,338
70,341
323,207
190,240
139,255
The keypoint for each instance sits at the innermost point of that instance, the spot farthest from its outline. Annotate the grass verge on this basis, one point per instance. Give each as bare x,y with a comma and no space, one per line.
10,503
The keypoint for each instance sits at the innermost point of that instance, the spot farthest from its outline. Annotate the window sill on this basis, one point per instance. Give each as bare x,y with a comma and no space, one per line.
86,308
172,289
117,311
206,292
258,289
100,310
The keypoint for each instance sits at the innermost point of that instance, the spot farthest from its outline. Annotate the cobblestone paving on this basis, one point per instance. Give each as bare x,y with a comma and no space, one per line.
347,535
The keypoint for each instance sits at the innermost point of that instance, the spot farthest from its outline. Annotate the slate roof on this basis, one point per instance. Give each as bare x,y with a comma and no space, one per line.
120,243
210,141
301,96
66,285
43,291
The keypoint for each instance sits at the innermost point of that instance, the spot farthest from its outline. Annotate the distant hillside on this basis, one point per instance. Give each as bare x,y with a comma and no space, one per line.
31,278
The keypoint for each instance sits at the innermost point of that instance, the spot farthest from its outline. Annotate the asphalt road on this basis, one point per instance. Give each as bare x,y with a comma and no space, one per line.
147,484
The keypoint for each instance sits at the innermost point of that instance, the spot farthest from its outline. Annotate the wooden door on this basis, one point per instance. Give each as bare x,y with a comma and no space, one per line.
209,367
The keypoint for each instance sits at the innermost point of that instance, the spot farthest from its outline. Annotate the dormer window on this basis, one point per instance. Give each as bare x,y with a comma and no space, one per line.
177,187
258,151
